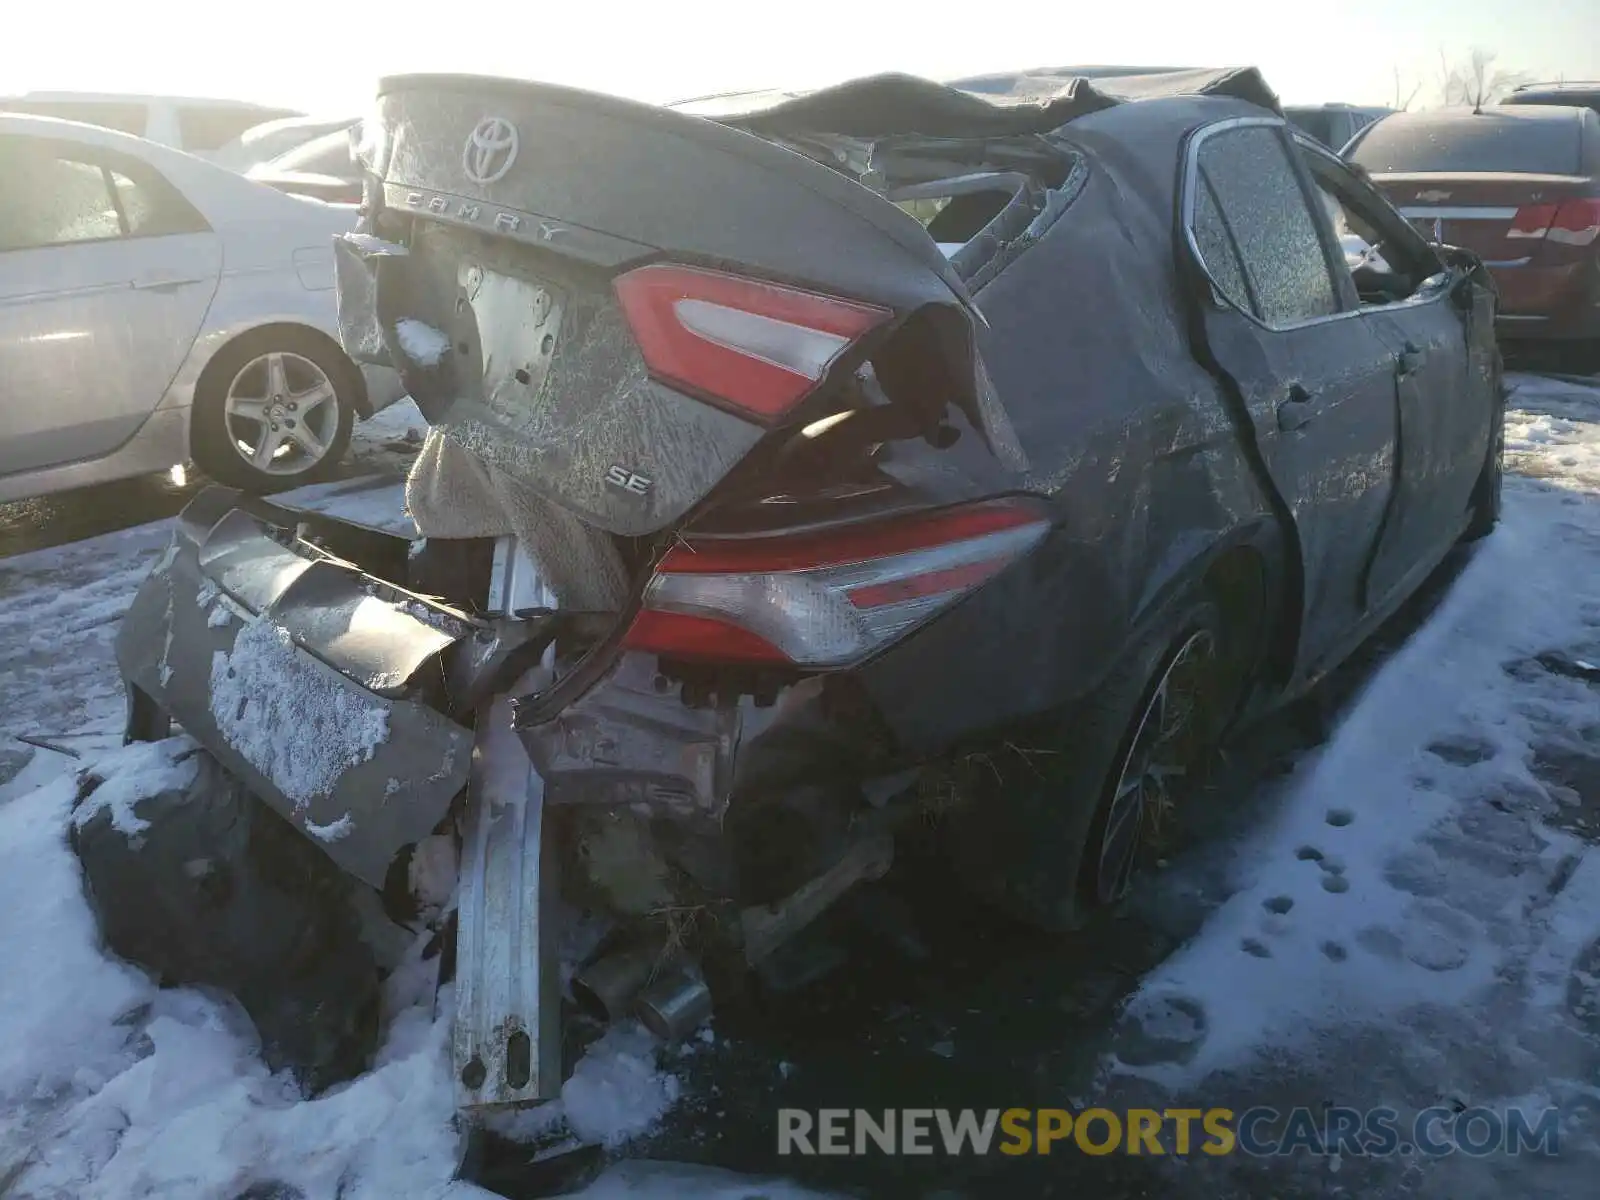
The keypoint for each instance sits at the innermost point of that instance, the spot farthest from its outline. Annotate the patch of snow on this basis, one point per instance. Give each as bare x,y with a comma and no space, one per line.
133,773
1563,444
333,830
112,1088
288,717
1354,908
375,245
206,593
164,563
60,1002
219,616
421,342
45,766
616,1094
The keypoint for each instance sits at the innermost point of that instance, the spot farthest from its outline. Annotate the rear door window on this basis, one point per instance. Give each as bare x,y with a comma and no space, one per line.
1217,249
151,206
1462,143
48,200
1250,178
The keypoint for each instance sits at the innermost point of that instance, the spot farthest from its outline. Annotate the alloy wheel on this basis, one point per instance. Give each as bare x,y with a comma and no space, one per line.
1163,748
282,413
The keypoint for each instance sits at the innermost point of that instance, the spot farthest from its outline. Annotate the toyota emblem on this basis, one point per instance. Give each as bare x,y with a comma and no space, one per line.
490,150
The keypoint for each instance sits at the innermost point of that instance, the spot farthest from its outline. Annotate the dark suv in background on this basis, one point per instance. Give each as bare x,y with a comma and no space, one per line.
1520,186
1584,95
1332,124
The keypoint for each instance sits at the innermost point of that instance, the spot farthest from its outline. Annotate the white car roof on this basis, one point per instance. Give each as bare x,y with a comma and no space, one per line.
223,197
135,98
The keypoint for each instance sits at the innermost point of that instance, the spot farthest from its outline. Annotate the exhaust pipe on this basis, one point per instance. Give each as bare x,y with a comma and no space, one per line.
607,987
676,1004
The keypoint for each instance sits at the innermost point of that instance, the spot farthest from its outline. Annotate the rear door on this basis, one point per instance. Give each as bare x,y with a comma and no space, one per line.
1439,326
106,273
1316,380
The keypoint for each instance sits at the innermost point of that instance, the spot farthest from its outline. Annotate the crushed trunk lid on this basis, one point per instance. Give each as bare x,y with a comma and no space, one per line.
504,214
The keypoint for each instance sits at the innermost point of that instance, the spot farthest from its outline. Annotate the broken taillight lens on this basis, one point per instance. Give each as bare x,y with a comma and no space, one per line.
827,599
757,347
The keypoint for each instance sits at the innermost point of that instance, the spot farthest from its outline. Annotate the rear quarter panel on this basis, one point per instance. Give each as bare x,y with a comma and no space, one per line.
1130,440
247,299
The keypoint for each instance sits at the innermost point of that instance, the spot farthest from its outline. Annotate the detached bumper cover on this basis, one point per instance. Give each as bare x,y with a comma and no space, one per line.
300,680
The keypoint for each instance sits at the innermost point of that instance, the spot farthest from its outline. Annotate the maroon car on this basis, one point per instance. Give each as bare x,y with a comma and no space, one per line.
1520,185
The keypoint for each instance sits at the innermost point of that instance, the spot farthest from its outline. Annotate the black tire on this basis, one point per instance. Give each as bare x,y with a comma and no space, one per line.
1028,837
1486,494
219,891
216,450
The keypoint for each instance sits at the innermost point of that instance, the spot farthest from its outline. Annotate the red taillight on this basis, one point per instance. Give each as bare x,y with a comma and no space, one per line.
759,347
1576,223
1531,221
827,599
1571,223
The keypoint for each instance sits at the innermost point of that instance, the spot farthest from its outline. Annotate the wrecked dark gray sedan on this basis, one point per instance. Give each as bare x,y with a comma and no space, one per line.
802,468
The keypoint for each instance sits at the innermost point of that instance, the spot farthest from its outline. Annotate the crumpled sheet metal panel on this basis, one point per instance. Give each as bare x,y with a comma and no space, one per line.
361,773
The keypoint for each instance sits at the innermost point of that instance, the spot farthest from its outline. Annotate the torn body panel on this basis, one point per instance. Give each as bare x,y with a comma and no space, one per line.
303,692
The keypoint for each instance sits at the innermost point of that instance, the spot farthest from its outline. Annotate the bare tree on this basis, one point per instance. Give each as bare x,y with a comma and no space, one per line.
1402,98
1476,81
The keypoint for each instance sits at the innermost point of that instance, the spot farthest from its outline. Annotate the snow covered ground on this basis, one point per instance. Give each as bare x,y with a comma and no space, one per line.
1415,922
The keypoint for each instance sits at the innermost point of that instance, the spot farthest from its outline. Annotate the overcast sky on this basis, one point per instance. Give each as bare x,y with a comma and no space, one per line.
325,55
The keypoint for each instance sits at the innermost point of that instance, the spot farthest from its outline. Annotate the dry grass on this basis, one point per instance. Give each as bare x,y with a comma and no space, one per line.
679,923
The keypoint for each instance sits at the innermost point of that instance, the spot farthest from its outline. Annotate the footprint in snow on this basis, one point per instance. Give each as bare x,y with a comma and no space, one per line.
1436,937
1255,948
1583,988
1162,1028
1462,751
1340,817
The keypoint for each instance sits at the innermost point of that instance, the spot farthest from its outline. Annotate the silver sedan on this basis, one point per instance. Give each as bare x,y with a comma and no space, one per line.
157,309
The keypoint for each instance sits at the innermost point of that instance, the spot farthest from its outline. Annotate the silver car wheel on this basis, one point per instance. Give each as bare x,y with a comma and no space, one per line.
282,413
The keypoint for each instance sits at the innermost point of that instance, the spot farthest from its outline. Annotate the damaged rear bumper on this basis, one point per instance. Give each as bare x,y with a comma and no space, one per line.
300,679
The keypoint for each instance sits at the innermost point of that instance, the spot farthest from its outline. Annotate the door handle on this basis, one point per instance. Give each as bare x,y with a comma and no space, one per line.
157,281
1295,411
1411,359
